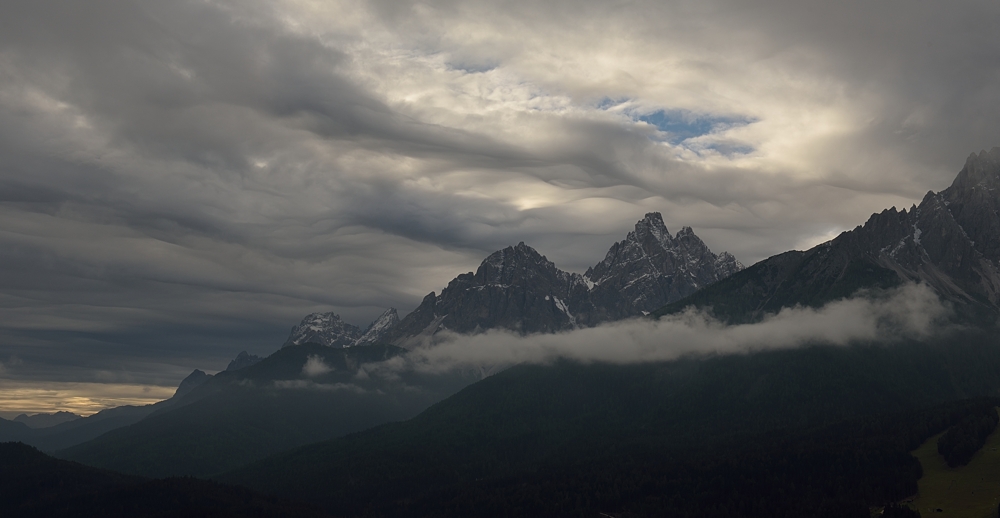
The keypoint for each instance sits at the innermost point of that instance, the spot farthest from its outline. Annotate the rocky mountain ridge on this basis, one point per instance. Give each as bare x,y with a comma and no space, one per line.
950,241
650,268
330,330
519,289
243,360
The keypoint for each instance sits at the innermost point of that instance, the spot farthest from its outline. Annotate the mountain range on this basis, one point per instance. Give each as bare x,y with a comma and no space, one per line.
950,241
341,418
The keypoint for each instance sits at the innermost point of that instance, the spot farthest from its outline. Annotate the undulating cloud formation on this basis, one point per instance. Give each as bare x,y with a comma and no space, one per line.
912,311
183,180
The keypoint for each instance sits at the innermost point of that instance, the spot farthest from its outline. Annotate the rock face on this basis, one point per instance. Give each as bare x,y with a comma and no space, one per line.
951,242
191,382
330,330
515,288
324,329
651,268
242,361
379,329
520,290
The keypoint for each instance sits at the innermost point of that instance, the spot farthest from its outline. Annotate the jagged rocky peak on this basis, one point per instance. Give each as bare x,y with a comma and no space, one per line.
242,361
726,264
515,288
379,330
974,201
191,382
512,264
519,289
651,268
950,242
946,241
330,330
651,238
982,170
652,225
325,329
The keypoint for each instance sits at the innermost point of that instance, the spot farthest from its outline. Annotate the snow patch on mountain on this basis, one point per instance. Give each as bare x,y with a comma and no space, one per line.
330,330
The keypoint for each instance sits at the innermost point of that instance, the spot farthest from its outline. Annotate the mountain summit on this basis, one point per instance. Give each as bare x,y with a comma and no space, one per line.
515,288
519,289
330,330
950,241
651,268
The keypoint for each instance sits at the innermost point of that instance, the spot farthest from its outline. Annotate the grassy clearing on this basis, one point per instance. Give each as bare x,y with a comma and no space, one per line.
971,491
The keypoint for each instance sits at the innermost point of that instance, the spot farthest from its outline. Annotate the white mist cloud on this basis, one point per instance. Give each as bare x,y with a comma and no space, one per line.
315,366
910,311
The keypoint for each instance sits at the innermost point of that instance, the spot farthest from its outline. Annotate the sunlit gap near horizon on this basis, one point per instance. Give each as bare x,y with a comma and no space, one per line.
47,397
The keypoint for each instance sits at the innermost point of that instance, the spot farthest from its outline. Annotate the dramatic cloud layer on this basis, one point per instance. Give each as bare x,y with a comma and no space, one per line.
912,311
183,180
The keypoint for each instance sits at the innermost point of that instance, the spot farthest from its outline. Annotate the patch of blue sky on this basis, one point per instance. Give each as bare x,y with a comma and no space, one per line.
676,126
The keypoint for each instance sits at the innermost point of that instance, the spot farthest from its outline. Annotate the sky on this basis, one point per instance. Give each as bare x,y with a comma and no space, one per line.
180,181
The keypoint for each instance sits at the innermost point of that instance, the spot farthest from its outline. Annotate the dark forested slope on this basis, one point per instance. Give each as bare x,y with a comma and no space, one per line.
571,439
298,395
33,484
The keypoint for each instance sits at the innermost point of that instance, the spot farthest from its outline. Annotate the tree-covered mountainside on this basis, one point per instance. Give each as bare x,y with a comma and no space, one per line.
34,485
296,396
965,438
822,431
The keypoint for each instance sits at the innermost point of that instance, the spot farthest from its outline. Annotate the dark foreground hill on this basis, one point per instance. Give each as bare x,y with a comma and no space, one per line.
296,396
33,484
819,431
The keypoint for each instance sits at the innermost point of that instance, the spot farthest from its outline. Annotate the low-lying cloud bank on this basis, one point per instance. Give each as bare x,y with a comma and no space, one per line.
910,311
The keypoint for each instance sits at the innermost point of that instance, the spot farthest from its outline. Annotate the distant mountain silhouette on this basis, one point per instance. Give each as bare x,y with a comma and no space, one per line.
297,395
